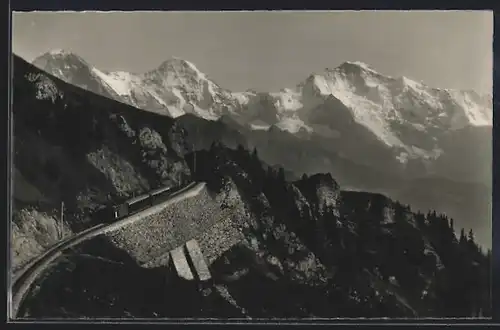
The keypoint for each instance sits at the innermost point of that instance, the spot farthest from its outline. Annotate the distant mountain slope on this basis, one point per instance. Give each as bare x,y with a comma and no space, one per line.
467,201
305,247
359,111
72,68
373,254
371,131
85,149
175,88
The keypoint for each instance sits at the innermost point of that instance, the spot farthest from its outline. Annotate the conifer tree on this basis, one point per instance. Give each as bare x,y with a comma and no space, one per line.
281,175
255,154
270,173
462,237
213,146
470,237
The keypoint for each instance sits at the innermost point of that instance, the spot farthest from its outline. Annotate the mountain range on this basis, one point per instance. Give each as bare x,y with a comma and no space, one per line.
277,246
373,132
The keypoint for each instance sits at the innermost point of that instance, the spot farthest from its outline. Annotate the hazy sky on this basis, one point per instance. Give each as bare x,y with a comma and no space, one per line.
268,51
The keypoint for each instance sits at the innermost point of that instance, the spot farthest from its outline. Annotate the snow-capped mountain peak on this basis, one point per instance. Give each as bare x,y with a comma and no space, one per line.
59,51
60,54
393,110
409,83
405,115
350,65
72,68
178,67
119,81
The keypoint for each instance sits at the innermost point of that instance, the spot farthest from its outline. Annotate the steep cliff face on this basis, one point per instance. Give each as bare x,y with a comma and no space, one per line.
390,123
85,150
277,248
345,253
282,249
373,132
321,190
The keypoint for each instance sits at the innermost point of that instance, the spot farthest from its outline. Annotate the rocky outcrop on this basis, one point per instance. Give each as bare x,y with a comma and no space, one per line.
321,190
86,149
274,248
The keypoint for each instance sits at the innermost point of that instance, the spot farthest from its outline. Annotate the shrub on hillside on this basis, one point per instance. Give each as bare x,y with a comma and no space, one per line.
32,233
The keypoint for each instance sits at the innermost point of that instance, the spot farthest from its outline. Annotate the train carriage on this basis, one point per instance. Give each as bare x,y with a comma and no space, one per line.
111,213
138,203
120,211
161,193
102,214
161,190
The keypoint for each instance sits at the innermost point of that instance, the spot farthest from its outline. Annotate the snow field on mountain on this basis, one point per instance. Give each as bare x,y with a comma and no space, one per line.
395,110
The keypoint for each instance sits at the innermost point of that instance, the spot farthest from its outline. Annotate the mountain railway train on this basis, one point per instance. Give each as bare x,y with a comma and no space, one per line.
112,213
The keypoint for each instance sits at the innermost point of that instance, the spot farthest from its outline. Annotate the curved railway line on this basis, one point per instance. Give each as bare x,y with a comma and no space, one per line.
29,273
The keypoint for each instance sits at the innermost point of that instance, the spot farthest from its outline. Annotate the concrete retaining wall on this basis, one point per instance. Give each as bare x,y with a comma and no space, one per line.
181,264
198,261
149,240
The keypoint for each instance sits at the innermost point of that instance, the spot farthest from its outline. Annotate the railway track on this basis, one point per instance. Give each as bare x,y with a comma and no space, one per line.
25,278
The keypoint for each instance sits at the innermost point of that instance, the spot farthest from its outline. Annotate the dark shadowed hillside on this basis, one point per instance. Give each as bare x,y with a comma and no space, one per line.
202,133
308,250
295,248
374,255
83,149
467,200
373,132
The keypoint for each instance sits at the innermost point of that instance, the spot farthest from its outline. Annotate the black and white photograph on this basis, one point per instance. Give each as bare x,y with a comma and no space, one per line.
251,165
